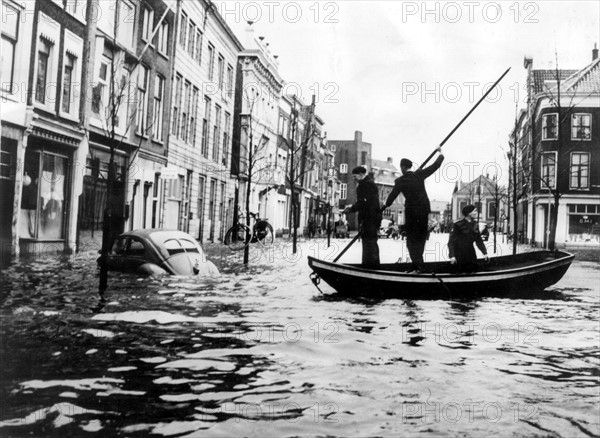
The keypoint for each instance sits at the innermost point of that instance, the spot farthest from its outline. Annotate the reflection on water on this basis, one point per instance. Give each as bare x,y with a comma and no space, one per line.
259,352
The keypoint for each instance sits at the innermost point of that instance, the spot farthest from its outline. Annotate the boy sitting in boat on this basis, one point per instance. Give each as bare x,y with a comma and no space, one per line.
464,233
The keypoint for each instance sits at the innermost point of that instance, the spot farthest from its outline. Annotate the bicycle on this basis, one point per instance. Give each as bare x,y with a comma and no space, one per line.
261,232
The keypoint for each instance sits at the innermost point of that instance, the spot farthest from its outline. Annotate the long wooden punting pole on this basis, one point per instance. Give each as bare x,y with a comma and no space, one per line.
465,118
435,150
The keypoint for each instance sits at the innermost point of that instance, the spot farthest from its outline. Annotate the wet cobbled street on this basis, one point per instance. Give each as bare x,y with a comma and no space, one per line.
261,352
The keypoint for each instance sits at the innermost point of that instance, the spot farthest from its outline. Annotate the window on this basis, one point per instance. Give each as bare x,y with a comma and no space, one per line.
548,170
77,8
220,71
106,17
550,126
581,127
226,137
100,87
159,85
205,121
10,32
216,133
211,61
67,91
580,168
185,111
194,115
126,23
176,105
191,39
142,100
198,54
183,30
163,38
363,158
343,168
343,191
147,24
44,50
229,80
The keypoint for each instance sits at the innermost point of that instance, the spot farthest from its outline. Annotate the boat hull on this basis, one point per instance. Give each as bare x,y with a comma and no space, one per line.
503,276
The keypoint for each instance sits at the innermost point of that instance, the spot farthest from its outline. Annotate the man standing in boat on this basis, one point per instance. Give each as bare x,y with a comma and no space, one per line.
412,186
369,215
464,233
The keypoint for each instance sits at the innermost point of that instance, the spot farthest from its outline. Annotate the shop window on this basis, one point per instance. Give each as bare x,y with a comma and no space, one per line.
43,196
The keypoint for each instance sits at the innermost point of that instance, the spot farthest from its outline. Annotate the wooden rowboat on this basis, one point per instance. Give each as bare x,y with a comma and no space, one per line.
505,275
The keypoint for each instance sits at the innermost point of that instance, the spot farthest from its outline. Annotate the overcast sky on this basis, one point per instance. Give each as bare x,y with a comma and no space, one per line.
405,73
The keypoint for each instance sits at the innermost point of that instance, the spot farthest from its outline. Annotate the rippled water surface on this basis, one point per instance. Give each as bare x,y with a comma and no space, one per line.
261,352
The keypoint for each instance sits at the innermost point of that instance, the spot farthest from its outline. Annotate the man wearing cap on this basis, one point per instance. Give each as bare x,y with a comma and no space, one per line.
369,215
464,233
412,186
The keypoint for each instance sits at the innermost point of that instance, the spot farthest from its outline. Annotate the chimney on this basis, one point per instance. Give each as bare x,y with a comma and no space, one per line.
595,52
358,136
390,160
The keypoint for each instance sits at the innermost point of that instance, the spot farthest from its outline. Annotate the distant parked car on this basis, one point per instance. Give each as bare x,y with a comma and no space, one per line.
159,251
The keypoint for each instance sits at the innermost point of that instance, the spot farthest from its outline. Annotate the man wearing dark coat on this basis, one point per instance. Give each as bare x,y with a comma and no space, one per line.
417,208
369,215
464,233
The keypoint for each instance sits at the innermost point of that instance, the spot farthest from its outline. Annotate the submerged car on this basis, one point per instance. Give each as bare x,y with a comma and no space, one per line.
159,252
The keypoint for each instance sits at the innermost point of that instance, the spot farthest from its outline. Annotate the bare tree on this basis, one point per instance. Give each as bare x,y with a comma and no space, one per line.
254,160
110,102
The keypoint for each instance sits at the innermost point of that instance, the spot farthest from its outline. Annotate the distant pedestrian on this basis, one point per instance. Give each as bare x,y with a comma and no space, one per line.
311,227
464,233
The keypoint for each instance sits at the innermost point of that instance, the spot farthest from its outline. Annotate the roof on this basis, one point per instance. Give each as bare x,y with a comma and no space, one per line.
586,80
487,186
387,178
541,77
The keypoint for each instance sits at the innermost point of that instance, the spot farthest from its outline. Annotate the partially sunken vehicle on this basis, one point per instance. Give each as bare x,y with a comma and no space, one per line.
159,252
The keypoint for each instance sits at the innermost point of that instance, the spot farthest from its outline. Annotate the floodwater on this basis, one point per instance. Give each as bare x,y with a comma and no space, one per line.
261,352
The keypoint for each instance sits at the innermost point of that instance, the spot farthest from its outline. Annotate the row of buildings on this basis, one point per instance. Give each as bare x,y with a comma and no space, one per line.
163,100
555,156
554,160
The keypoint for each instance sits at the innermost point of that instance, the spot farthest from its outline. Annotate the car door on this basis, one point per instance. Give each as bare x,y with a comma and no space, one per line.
134,255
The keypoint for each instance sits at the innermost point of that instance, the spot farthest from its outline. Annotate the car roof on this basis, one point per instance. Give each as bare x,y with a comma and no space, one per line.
158,235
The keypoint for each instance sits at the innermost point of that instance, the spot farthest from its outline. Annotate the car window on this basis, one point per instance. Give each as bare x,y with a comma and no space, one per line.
119,246
135,248
173,246
189,245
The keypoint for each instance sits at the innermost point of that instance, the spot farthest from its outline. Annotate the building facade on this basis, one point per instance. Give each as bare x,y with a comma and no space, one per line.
485,194
199,192
559,153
